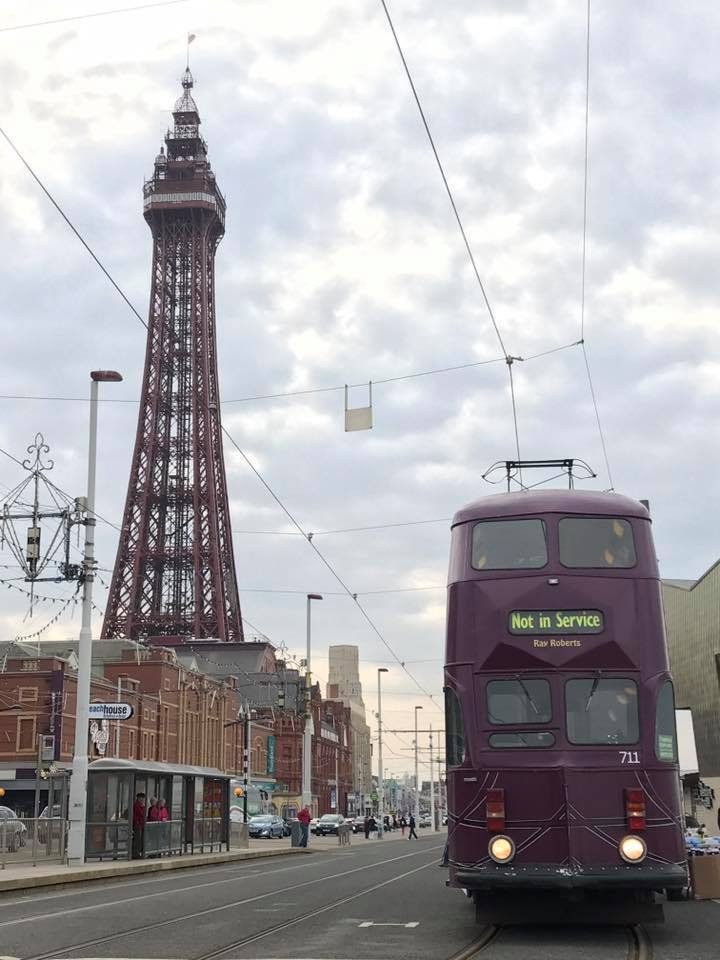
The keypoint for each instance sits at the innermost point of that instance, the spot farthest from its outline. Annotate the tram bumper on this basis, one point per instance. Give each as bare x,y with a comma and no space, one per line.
645,876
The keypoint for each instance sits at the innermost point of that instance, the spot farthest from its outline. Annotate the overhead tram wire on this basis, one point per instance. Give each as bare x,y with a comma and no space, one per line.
509,359
326,562
70,224
90,16
584,256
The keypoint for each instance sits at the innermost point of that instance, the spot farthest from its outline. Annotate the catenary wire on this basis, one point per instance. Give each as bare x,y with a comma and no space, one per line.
91,16
70,224
310,390
329,566
584,257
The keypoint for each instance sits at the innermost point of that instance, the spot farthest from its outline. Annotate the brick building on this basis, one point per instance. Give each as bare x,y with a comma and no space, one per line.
180,716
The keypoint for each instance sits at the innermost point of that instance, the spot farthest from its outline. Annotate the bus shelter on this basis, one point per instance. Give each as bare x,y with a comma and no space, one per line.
195,801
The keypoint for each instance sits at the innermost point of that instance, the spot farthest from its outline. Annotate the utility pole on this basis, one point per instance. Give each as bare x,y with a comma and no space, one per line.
432,785
78,781
381,782
417,782
308,733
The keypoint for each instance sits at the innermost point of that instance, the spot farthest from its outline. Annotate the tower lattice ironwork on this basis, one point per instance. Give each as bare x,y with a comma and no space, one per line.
174,572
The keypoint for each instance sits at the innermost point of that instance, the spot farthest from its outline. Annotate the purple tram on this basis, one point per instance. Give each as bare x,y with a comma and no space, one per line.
562,765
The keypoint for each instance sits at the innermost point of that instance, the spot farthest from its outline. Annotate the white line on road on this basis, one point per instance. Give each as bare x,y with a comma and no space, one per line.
372,923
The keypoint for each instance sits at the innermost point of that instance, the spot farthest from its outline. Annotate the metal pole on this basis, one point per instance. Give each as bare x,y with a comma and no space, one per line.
381,783
432,785
307,735
78,782
417,781
246,761
117,725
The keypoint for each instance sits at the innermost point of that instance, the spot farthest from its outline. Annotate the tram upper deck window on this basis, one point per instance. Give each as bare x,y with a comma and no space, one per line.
601,710
596,542
520,700
509,545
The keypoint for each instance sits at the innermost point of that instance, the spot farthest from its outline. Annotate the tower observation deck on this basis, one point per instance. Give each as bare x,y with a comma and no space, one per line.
174,575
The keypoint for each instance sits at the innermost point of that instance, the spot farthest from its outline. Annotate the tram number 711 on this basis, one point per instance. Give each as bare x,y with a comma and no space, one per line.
629,756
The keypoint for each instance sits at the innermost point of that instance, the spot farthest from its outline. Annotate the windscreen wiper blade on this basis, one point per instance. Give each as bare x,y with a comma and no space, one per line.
528,697
594,687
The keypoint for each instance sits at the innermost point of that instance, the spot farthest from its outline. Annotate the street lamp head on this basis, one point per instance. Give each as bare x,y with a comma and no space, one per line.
105,376
314,596
383,670
419,707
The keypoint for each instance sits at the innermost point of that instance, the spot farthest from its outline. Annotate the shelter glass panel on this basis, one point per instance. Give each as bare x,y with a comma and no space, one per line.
509,545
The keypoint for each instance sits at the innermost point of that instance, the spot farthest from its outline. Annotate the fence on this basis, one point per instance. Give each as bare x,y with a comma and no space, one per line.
29,840
162,838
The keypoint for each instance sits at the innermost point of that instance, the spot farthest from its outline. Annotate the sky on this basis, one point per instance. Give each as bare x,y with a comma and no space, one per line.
342,263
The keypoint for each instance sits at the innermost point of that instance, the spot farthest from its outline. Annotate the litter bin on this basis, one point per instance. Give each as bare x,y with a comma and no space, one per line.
296,834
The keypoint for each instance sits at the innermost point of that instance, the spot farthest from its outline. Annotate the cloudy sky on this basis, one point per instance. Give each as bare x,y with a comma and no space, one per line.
342,263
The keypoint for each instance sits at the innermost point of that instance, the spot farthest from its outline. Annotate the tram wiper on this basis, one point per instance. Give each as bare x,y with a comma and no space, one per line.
528,696
594,687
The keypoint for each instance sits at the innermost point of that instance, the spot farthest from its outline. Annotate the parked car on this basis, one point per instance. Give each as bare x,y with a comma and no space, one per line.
314,825
358,824
329,824
425,820
287,825
266,826
13,832
54,828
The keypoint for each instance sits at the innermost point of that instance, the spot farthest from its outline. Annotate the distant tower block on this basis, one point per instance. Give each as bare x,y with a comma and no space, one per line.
174,573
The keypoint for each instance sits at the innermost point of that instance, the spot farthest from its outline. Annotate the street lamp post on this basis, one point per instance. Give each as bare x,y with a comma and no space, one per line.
417,782
432,784
78,781
381,782
308,733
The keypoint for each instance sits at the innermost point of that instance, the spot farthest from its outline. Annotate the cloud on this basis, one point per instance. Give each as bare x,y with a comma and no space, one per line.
342,263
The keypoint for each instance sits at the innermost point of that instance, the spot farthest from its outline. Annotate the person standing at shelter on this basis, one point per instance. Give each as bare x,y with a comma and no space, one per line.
153,815
163,814
138,826
412,828
304,818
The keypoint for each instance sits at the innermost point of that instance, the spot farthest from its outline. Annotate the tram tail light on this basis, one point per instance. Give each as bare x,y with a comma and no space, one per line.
495,810
635,809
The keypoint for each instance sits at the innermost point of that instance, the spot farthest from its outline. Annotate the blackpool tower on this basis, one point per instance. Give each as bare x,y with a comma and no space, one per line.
174,573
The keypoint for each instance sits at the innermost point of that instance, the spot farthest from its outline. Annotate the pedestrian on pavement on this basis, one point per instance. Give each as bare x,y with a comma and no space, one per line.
403,824
372,824
366,827
412,828
394,823
386,823
138,826
304,818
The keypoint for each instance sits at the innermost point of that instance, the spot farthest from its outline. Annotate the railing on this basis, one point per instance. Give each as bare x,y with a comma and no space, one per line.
107,840
164,837
208,835
28,840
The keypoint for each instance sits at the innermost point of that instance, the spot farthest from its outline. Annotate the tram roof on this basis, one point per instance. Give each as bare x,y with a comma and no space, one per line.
532,502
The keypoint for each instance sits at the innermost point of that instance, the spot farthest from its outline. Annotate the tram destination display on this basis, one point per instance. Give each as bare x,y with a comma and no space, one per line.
533,623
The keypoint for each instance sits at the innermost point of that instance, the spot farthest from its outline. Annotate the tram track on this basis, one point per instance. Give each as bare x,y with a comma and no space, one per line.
639,945
218,952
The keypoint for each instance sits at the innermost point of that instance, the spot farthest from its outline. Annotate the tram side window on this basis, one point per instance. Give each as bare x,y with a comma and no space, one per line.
509,545
520,700
596,542
454,729
665,736
601,710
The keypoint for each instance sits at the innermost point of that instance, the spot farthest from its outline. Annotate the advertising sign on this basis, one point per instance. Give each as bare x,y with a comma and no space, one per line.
271,756
110,711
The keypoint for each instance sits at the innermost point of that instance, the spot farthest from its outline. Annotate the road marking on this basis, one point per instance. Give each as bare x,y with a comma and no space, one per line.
373,923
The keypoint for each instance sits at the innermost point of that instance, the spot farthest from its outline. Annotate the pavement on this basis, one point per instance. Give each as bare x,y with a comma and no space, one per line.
24,876
370,901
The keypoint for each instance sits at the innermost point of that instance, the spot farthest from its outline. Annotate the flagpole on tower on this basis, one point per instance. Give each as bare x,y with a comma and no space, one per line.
190,38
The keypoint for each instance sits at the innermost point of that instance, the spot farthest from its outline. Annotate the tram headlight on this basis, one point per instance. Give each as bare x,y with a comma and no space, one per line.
632,849
501,849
